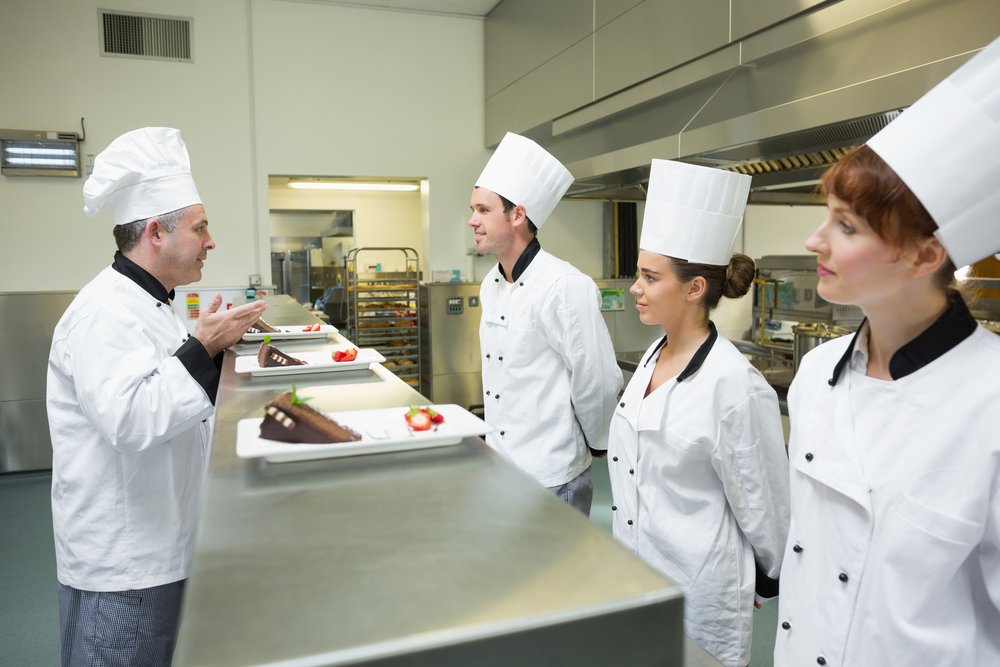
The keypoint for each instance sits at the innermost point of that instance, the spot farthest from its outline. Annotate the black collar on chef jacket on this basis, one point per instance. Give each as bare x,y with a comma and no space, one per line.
699,357
523,261
955,325
141,277
205,370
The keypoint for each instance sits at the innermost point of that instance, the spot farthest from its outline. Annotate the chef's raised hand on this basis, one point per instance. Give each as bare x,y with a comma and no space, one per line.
217,330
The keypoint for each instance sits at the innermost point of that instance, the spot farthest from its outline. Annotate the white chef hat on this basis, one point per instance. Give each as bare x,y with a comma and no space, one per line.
693,212
946,148
143,173
524,173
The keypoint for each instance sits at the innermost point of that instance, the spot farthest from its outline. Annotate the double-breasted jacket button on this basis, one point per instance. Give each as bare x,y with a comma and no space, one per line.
497,396
158,304
631,471
487,355
496,280
622,404
487,393
630,522
502,432
521,284
821,660
809,457
500,358
614,458
786,626
843,577
614,508
797,549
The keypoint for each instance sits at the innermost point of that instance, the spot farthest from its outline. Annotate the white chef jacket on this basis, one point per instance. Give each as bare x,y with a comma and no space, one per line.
129,437
550,377
699,477
893,553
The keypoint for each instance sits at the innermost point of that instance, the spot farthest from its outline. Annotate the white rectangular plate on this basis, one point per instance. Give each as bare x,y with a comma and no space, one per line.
382,430
292,333
316,362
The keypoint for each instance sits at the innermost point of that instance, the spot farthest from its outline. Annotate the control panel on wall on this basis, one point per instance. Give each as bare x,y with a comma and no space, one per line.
454,305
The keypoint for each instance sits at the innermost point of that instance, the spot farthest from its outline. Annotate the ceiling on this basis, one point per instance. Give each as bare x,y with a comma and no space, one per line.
478,8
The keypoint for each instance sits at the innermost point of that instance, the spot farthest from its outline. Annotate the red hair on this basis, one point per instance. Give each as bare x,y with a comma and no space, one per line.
863,181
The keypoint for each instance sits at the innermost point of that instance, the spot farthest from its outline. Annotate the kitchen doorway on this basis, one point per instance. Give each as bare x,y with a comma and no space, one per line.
316,220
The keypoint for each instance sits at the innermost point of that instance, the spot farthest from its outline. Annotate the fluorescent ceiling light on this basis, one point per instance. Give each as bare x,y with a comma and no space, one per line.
41,161
40,151
310,185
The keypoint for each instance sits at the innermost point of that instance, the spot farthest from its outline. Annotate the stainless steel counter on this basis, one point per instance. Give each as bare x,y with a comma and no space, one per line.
447,556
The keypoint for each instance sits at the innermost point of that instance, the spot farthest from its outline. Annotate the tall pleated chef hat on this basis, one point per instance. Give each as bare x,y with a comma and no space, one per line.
946,148
524,173
693,212
143,173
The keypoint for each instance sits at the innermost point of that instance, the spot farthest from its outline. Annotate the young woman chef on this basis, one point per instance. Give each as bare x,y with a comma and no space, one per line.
893,552
697,455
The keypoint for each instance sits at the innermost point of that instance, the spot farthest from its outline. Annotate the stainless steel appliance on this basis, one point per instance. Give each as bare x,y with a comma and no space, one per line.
31,317
809,336
786,291
290,274
449,341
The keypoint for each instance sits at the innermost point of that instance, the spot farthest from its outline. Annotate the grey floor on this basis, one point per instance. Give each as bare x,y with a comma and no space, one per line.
29,612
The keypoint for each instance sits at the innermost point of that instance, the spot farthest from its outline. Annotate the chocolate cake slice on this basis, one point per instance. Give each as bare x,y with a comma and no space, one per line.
260,326
285,421
271,357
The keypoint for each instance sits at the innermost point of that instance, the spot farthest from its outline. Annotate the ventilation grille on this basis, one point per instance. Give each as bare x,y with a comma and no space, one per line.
817,147
145,36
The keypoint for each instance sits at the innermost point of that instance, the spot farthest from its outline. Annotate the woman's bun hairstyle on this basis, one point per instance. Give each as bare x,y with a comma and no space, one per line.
740,275
731,281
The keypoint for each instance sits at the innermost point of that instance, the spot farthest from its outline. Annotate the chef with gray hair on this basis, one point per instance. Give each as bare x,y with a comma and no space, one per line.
129,397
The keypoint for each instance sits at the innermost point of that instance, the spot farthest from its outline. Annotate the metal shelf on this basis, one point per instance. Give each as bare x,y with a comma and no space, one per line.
398,299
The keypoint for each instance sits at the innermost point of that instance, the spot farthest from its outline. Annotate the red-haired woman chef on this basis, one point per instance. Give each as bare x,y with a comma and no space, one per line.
893,553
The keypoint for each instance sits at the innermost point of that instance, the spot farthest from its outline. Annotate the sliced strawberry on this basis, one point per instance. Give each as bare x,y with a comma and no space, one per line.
338,355
418,419
351,354
436,417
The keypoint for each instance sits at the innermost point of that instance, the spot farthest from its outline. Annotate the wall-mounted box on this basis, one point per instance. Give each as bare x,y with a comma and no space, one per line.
39,153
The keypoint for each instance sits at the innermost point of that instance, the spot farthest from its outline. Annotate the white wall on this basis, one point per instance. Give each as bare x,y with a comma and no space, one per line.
334,90
52,75
345,91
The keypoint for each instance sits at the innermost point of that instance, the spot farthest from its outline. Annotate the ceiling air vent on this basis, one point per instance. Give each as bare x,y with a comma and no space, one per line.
128,35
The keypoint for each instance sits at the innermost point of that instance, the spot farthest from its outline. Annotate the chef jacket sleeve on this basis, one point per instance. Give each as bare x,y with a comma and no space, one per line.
204,369
749,457
134,394
989,549
576,330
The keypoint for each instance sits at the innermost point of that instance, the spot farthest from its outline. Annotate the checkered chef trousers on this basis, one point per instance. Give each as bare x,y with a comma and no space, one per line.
121,628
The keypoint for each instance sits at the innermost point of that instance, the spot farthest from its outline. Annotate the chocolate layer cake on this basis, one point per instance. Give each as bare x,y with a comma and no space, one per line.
299,423
271,357
260,326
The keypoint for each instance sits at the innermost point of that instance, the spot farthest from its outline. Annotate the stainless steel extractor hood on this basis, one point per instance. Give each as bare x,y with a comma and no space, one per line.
313,222
781,105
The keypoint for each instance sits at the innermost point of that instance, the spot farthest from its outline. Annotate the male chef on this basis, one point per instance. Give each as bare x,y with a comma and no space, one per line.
129,394
549,372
